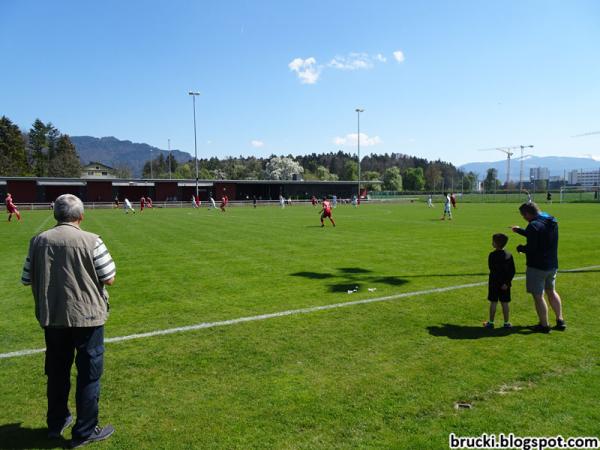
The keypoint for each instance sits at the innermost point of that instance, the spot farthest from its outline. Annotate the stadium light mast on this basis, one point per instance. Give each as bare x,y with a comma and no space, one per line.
358,111
169,147
150,163
194,95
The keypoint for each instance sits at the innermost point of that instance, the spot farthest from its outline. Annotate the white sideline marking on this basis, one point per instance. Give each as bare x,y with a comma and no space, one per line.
290,312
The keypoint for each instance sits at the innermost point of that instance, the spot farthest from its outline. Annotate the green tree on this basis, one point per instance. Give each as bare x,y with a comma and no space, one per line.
414,179
491,181
41,144
349,171
13,156
370,176
433,176
184,171
323,173
392,180
65,160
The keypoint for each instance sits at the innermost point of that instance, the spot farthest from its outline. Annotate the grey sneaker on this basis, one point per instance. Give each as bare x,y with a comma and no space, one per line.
99,434
55,434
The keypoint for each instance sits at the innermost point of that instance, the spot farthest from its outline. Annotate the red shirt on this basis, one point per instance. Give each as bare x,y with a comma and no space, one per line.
142,201
9,204
326,206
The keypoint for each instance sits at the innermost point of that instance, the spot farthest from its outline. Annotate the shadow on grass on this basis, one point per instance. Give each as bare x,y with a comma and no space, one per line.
14,436
351,278
475,332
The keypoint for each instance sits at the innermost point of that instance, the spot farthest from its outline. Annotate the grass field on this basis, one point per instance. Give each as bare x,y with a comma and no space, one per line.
378,375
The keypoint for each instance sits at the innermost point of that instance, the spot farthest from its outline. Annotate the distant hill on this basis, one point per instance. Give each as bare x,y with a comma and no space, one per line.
115,153
556,164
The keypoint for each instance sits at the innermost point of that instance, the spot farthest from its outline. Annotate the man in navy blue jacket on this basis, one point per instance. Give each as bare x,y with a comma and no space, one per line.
541,252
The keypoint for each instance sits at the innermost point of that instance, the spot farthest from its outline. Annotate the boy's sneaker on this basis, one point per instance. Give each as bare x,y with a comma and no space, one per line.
99,434
507,325
488,324
55,434
560,325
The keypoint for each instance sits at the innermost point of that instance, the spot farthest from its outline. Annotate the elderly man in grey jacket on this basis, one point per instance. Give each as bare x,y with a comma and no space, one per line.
68,269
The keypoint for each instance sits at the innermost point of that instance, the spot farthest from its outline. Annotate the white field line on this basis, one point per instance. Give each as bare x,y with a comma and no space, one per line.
290,312
39,228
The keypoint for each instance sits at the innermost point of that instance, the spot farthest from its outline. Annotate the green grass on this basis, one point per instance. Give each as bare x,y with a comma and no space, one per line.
380,375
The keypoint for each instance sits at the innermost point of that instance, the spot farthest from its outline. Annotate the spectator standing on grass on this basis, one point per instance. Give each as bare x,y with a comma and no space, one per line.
541,252
502,271
68,269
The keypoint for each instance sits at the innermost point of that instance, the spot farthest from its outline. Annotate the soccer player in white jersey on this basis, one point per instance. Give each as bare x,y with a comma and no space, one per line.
213,203
127,206
282,201
430,201
447,207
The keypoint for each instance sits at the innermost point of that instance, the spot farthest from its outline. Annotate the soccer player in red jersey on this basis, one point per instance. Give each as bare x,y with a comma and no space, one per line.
223,203
313,200
11,208
326,212
148,202
142,204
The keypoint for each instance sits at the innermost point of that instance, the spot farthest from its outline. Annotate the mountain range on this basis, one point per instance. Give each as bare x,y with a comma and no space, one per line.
117,153
557,165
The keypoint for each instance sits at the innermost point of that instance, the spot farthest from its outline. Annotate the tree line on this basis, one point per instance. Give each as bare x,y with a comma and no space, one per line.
43,151
392,172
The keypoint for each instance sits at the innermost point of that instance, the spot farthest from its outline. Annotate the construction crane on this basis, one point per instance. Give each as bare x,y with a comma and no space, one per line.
521,158
508,151
587,134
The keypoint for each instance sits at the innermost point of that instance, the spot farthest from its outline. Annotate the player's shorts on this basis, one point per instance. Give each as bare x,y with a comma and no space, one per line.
326,214
11,210
495,294
537,280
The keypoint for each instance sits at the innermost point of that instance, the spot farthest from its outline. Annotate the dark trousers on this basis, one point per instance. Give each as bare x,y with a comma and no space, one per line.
61,346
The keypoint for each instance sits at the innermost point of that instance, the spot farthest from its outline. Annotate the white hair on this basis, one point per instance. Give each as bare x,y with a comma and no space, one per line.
68,208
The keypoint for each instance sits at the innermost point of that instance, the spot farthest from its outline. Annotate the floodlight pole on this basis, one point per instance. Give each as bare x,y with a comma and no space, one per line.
169,147
358,111
194,94
150,163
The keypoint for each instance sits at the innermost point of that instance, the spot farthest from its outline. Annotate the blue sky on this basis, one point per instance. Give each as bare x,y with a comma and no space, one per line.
285,77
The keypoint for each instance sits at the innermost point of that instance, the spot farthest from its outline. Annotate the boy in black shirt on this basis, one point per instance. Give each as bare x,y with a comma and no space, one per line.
502,271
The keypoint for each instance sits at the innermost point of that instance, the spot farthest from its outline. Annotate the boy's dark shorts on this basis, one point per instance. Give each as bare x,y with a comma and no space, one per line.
495,294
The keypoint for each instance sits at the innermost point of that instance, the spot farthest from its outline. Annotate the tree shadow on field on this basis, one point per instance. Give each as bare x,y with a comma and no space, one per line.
475,332
14,436
351,278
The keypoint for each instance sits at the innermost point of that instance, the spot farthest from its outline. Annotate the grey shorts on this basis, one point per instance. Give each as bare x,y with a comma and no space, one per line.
537,280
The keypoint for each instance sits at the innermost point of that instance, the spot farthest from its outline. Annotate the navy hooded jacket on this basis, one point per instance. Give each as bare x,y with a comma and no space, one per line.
542,242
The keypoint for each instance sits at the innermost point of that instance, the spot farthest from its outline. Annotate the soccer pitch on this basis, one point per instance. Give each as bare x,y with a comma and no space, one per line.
385,374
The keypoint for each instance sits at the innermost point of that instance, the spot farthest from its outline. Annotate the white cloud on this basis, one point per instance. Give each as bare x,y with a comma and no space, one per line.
257,143
353,61
399,56
356,61
352,139
307,69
